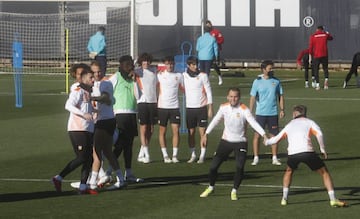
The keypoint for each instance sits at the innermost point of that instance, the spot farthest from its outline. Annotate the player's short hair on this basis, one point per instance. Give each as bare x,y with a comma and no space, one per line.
208,22
321,27
101,29
125,58
77,66
168,59
192,60
86,71
144,57
236,89
94,62
266,63
301,109
207,29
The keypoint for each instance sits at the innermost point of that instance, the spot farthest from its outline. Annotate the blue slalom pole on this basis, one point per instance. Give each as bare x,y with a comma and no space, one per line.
18,70
183,128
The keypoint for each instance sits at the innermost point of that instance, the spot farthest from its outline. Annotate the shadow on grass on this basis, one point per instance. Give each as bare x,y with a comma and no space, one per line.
354,191
343,158
14,197
284,156
351,201
194,180
266,156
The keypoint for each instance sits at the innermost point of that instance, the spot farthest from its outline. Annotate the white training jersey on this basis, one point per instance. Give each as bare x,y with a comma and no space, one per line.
169,85
78,104
146,83
298,133
74,86
103,111
235,122
197,90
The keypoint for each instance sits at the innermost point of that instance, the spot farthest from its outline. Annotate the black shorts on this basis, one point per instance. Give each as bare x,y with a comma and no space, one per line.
205,66
269,122
225,148
126,124
311,159
147,113
196,117
165,115
81,141
108,125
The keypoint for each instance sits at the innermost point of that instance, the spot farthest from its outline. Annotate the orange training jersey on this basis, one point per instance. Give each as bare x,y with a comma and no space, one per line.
298,133
235,122
78,104
197,90
169,85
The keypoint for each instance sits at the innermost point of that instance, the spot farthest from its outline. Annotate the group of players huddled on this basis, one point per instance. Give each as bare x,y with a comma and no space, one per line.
105,111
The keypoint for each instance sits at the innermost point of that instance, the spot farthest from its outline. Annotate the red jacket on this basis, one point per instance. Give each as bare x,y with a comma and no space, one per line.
318,44
218,36
301,54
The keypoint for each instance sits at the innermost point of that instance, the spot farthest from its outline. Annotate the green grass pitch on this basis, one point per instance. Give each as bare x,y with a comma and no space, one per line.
34,146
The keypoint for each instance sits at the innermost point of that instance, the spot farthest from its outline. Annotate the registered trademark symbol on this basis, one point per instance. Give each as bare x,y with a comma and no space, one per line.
308,21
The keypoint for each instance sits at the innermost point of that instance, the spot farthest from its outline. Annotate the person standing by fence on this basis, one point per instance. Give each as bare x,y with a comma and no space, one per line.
97,48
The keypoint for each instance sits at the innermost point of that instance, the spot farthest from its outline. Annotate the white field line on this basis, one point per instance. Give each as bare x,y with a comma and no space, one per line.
164,183
262,186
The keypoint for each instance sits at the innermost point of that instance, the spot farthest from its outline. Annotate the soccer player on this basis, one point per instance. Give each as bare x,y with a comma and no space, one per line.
353,70
300,150
75,73
302,61
168,107
105,125
198,105
219,40
97,48
80,128
146,79
123,82
266,91
319,54
235,115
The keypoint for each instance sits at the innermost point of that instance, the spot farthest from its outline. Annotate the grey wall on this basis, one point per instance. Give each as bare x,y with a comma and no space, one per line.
341,19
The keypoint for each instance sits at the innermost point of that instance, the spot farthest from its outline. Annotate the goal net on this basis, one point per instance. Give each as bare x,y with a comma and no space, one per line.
47,39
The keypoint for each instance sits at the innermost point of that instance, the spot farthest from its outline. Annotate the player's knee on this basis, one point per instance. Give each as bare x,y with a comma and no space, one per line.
289,170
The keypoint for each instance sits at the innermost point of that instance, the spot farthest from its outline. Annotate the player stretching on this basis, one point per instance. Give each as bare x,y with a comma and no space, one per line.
198,105
300,150
235,116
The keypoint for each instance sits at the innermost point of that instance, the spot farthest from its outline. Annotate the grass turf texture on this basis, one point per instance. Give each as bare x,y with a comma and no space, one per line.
34,145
